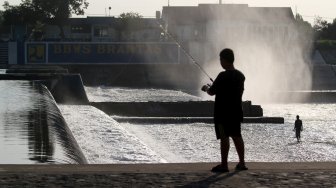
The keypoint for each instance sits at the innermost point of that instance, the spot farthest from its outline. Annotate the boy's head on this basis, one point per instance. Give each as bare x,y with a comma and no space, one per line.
226,59
297,116
227,55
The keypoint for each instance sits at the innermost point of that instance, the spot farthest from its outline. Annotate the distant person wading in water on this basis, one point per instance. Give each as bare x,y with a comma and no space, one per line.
298,128
228,115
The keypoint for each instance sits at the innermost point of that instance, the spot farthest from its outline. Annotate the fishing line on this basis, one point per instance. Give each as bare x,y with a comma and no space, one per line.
185,51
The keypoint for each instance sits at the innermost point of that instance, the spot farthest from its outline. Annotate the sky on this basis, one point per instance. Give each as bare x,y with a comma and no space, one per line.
308,8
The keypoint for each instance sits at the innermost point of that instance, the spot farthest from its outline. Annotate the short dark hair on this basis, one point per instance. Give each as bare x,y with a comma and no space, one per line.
227,54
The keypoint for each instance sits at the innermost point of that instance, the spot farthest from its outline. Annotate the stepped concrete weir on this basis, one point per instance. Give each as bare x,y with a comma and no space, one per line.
32,129
66,88
176,112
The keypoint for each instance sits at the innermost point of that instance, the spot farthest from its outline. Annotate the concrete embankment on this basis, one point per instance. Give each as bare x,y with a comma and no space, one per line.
318,174
305,97
65,88
170,109
177,112
187,120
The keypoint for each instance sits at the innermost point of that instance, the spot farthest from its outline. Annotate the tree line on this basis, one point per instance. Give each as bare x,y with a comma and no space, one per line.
321,30
37,13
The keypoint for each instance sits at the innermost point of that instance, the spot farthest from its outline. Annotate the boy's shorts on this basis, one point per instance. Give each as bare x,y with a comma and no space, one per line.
228,130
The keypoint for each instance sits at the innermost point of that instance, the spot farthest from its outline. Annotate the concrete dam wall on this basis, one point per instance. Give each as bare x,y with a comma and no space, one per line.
32,129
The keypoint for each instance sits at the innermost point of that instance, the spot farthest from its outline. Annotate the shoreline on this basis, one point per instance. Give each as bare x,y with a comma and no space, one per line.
163,167
307,174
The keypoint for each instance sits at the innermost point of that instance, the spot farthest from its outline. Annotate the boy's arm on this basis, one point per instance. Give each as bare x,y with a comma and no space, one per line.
294,125
211,89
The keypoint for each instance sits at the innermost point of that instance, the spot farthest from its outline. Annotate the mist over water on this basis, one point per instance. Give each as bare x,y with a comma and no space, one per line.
268,48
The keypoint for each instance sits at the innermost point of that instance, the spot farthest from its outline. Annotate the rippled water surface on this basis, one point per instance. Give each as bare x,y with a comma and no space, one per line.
103,140
263,142
111,94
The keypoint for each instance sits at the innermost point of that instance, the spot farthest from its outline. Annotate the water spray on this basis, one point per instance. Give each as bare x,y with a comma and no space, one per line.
185,51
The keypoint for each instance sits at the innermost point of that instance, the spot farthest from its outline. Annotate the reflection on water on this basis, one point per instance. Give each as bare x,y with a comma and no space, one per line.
31,127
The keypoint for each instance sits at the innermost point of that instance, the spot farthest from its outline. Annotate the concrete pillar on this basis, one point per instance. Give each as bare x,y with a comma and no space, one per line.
12,53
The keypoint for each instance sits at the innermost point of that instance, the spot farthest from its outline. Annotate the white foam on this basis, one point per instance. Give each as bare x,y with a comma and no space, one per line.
112,94
103,140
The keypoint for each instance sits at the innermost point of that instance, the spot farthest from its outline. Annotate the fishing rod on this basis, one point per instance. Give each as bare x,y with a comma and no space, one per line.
185,51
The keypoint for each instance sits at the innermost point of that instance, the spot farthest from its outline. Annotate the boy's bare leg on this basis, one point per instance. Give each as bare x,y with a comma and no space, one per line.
239,144
225,146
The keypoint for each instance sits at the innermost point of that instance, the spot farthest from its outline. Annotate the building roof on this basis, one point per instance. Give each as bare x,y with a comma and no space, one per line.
148,22
230,12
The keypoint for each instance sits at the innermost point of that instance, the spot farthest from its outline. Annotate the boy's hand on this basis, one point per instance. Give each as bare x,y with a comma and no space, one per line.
205,88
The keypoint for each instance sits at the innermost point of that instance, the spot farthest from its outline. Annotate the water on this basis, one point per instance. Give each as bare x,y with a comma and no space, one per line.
112,94
103,140
32,130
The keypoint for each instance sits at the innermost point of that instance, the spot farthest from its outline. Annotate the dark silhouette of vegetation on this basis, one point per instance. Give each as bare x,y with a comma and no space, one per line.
22,14
43,11
325,30
130,15
60,10
129,22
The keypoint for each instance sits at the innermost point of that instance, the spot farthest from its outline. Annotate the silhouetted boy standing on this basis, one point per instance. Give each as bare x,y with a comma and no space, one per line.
298,128
228,115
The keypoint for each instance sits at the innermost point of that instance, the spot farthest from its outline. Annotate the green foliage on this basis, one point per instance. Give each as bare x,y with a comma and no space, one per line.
326,44
130,21
61,9
327,49
320,24
31,12
325,30
130,15
25,13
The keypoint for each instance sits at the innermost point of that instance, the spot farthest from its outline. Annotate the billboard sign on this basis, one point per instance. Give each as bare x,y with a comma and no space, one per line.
61,52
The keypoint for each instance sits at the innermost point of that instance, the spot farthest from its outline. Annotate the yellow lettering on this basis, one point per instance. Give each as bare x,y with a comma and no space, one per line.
130,49
139,49
86,49
157,50
67,49
148,49
101,49
57,49
111,49
77,49
121,50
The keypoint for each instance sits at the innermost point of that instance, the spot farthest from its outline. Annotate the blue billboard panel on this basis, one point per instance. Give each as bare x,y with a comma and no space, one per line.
113,53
